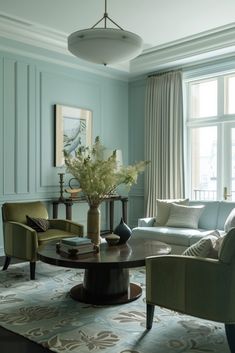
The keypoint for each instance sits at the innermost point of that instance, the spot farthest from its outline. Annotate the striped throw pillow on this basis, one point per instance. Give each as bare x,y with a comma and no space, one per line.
203,248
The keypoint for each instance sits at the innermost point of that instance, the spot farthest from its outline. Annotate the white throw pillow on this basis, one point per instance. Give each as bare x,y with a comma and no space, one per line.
184,216
163,209
230,221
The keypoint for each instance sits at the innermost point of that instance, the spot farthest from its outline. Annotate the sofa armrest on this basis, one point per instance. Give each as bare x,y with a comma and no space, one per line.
20,241
196,286
67,225
146,222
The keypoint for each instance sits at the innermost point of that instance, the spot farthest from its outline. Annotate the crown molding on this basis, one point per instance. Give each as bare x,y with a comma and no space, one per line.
30,33
208,45
45,38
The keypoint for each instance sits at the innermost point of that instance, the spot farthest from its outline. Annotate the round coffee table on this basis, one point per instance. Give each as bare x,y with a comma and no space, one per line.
106,278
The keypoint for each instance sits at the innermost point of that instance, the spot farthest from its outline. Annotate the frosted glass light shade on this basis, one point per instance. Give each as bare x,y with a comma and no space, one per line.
105,45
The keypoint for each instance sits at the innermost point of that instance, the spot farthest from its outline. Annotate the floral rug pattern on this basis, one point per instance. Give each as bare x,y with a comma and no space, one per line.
43,311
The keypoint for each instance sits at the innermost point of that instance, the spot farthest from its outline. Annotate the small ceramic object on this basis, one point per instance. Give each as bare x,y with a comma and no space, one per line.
112,239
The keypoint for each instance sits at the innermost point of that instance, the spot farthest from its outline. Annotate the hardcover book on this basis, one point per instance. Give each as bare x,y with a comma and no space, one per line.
76,241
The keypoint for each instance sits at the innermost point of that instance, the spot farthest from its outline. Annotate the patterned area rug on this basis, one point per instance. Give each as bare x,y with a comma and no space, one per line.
43,311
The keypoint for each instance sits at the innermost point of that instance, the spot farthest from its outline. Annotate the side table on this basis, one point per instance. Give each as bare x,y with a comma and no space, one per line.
69,203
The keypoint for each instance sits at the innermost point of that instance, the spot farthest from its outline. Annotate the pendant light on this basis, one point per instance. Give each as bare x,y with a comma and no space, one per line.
105,45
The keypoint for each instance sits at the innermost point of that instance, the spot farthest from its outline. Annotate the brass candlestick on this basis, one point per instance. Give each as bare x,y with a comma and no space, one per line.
61,182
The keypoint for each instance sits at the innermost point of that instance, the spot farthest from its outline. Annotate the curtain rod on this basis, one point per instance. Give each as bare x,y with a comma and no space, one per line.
164,72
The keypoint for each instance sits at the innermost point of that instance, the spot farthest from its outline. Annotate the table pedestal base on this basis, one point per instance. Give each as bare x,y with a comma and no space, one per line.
105,287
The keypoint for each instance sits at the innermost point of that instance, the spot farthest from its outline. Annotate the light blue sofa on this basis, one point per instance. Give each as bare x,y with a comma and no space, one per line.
213,217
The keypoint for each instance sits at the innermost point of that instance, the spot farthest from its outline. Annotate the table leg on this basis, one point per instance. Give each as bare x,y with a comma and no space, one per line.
124,209
106,286
55,209
111,215
68,210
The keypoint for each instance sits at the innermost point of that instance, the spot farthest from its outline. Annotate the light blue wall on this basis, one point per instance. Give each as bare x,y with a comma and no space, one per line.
29,88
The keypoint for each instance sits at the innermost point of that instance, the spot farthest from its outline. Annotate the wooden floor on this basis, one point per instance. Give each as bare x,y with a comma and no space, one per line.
12,343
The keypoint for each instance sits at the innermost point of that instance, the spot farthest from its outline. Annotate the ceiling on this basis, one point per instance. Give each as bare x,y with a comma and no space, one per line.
158,22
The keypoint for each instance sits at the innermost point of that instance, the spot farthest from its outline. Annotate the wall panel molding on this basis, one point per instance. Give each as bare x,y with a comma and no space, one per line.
17,143
9,127
1,123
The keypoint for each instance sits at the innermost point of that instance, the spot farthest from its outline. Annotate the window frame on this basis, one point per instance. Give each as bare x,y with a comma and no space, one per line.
223,121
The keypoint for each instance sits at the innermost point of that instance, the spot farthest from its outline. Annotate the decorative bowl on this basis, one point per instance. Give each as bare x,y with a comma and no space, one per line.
112,239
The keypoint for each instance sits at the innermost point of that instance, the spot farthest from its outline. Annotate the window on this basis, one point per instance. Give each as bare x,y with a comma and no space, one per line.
210,122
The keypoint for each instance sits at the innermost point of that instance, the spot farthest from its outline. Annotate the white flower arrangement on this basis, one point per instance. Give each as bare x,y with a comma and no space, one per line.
100,177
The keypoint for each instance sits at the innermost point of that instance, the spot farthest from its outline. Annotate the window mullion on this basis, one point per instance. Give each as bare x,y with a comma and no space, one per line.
220,96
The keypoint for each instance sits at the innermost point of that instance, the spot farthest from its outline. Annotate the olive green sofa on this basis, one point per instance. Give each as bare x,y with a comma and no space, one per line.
21,241
201,287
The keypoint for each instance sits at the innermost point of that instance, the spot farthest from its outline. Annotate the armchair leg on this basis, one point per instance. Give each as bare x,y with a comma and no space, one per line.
6,263
32,270
230,334
149,319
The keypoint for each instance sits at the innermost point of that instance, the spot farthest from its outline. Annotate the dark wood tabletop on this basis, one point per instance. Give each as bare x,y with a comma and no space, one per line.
106,277
131,254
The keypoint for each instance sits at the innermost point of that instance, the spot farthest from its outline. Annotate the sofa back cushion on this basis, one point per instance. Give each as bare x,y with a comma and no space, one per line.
225,208
17,211
209,215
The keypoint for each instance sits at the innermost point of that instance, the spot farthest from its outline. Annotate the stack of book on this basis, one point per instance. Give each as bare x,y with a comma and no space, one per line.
76,246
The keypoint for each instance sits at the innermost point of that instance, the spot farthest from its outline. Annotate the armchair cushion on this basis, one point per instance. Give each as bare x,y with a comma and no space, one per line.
53,234
17,212
60,228
38,224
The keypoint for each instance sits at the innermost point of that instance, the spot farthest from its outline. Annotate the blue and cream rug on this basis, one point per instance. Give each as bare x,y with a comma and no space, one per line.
43,311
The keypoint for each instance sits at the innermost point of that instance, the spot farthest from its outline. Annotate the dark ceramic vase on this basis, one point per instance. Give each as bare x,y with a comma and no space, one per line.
123,231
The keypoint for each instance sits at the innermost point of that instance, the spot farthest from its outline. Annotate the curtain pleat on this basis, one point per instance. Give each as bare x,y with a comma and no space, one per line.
164,178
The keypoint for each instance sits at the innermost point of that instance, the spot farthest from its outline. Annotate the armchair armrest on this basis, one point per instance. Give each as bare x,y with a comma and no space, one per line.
196,286
67,225
146,222
20,241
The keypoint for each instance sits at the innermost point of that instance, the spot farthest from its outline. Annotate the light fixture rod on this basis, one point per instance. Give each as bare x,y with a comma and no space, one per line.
105,14
105,18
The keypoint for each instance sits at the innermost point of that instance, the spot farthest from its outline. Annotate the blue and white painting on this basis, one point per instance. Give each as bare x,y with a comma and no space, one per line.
75,134
73,130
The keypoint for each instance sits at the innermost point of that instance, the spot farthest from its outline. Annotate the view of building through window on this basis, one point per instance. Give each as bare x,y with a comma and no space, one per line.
211,138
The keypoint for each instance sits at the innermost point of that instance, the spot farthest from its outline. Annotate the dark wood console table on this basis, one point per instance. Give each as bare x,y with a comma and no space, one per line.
69,203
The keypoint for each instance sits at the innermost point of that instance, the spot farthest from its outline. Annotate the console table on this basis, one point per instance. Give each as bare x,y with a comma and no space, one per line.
69,203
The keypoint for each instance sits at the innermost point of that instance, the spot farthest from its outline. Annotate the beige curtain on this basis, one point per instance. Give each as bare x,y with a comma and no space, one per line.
164,139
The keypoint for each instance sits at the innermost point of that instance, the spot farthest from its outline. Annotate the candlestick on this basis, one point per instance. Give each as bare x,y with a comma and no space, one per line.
61,182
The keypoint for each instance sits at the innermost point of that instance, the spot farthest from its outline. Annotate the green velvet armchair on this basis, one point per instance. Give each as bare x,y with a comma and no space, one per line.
200,287
21,241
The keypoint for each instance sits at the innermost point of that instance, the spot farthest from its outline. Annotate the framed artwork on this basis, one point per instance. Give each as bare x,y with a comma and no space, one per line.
73,129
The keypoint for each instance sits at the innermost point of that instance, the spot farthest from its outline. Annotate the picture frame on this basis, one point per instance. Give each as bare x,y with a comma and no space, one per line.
73,129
